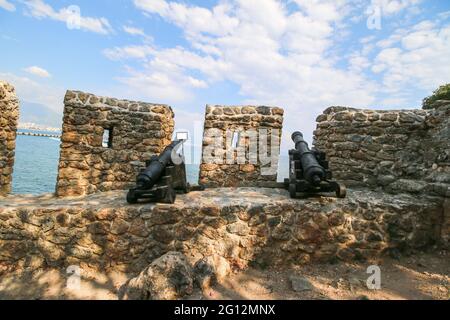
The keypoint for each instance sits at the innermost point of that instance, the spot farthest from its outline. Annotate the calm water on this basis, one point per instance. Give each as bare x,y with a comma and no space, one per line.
36,165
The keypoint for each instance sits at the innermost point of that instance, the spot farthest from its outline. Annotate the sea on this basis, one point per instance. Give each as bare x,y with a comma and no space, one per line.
36,165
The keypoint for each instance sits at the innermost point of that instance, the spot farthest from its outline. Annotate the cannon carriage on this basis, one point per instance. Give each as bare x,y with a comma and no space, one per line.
163,177
309,171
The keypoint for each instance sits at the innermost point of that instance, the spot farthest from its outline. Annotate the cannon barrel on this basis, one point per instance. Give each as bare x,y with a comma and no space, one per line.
313,172
150,176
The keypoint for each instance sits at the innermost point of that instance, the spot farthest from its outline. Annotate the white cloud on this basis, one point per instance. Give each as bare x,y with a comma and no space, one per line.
133,31
137,32
129,52
153,6
392,7
164,73
290,56
163,77
444,15
157,86
32,91
193,19
358,62
323,10
416,60
37,71
5,4
39,9
275,56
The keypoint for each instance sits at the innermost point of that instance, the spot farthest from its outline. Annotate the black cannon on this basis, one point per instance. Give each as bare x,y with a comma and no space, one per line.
309,171
163,177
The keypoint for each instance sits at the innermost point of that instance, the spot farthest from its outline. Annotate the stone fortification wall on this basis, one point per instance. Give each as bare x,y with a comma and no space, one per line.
241,145
9,116
105,141
102,231
399,151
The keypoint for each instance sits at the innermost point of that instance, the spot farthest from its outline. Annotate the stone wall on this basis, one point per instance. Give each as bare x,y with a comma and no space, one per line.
89,163
102,231
398,150
251,161
9,115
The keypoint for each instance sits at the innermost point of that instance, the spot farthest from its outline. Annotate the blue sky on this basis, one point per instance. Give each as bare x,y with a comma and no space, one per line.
302,55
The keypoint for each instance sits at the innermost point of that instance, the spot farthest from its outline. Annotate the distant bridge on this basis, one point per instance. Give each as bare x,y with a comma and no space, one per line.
34,134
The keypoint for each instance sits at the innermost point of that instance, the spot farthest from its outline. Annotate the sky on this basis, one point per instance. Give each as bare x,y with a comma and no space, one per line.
301,55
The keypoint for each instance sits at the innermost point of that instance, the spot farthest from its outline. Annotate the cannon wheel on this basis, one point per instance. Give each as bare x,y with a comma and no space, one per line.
341,191
170,196
131,197
187,188
293,190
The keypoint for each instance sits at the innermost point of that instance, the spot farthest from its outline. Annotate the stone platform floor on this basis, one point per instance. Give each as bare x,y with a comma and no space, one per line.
214,196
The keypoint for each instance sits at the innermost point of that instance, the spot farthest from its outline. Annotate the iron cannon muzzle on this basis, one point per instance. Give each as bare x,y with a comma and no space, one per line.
148,178
296,135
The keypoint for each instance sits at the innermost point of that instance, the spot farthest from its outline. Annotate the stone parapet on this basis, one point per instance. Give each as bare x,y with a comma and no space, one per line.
397,150
241,145
9,116
105,141
243,225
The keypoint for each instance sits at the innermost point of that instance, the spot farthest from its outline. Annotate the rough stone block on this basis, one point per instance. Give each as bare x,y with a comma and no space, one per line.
241,145
9,116
414,143
103,138
102,231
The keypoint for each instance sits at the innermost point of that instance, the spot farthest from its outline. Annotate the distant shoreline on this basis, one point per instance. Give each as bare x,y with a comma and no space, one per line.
37,127
34,134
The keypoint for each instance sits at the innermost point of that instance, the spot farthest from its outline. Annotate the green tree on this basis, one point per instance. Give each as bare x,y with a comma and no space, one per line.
442,93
